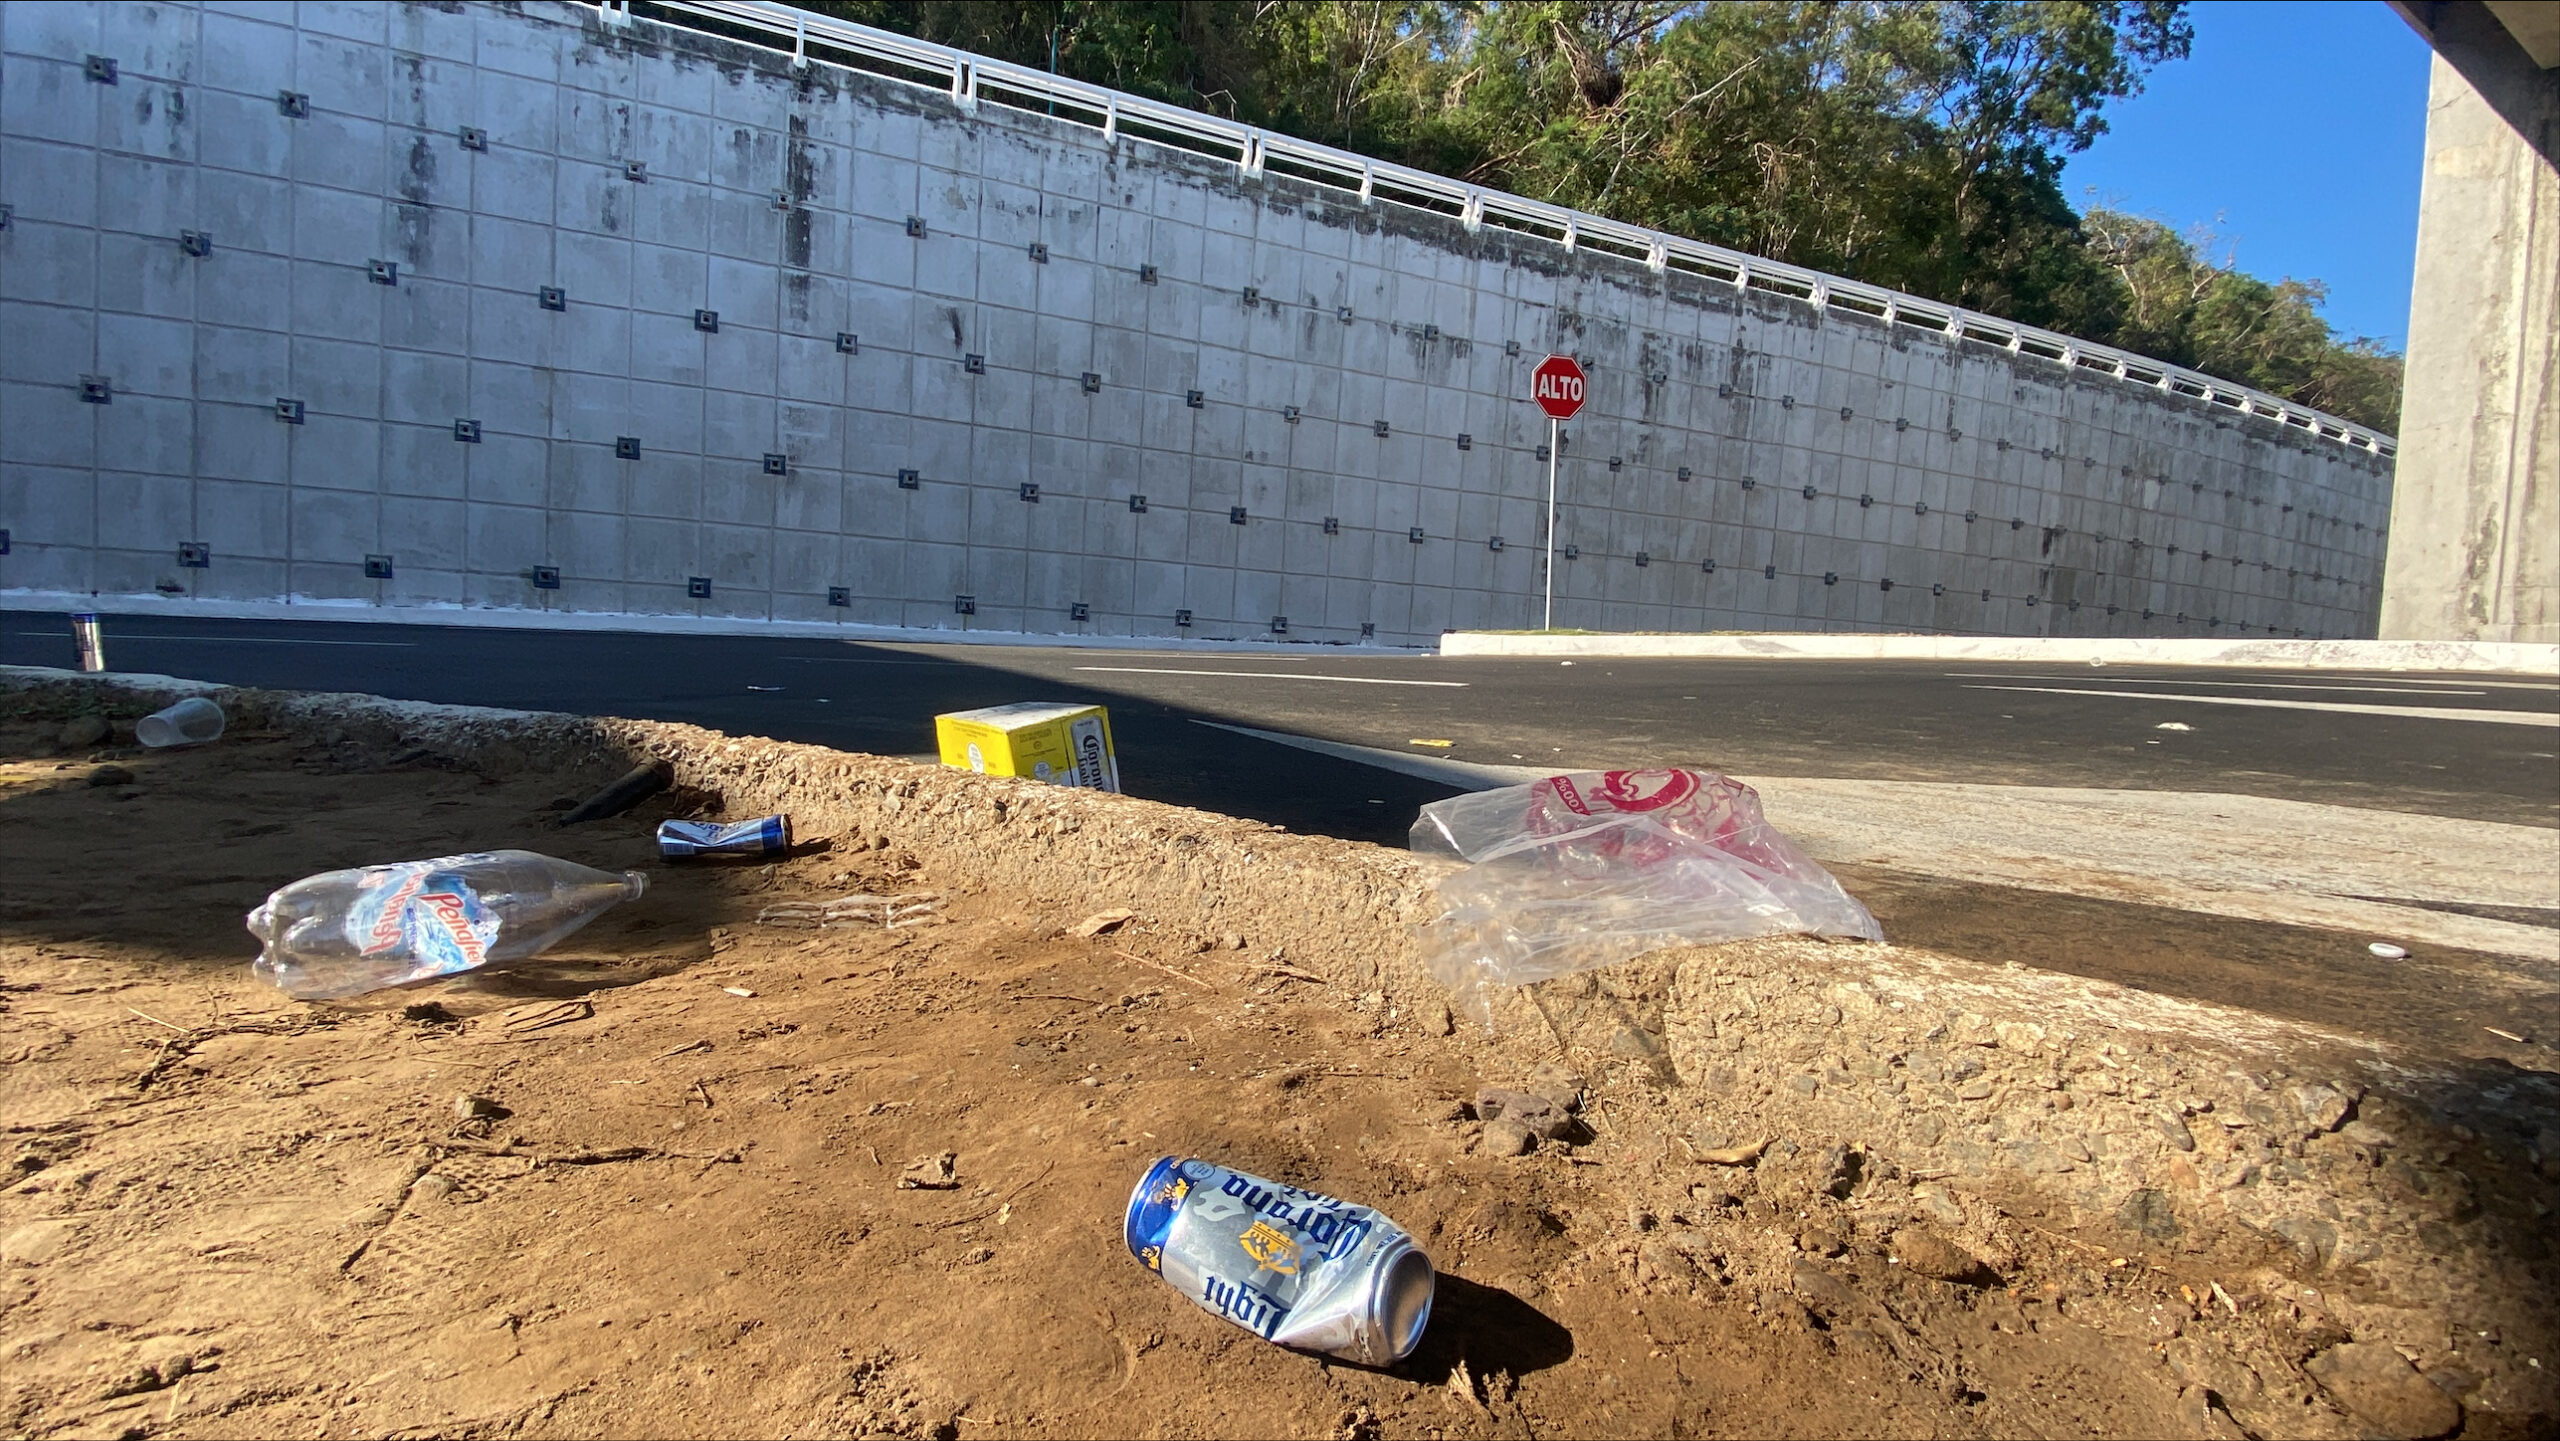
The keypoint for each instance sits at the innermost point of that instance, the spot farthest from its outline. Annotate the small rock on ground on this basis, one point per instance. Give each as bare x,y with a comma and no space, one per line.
1504,1136
2384,1390
81,731
1926,1253
105,776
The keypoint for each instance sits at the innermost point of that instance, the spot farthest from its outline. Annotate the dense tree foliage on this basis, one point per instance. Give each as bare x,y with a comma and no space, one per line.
1917,145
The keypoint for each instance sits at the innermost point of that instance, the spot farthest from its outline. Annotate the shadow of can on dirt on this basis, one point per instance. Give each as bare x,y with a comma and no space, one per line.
1488,1330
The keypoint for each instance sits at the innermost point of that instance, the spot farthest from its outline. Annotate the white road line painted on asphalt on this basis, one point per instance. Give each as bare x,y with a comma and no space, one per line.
1272,675
2420,712
113,636
1457,775
2232,684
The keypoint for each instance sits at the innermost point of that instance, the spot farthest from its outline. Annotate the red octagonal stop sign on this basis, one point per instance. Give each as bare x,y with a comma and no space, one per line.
1557,385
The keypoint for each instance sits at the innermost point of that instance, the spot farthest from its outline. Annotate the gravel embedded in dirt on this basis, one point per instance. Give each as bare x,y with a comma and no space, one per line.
656,1173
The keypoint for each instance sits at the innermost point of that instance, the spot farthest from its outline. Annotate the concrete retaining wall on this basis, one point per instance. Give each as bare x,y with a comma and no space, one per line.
1198,405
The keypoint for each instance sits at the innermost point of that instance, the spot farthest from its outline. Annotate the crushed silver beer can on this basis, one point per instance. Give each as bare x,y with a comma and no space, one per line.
1297,1268
763,836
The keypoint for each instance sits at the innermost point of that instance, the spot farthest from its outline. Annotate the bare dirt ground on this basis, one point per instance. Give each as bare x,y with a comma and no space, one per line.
649,1184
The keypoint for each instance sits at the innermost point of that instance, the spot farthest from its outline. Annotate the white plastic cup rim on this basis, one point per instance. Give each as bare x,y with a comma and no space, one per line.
190,722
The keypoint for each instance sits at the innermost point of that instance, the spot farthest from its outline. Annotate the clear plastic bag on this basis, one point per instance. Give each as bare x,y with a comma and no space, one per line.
1585,870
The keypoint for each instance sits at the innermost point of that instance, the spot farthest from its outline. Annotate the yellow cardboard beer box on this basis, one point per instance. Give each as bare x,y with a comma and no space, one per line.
1067,745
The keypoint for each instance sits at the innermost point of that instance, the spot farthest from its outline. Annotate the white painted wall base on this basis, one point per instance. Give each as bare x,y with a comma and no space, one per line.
2389,655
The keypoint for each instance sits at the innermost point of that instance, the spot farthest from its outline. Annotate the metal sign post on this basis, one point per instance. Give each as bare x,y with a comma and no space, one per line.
1557,385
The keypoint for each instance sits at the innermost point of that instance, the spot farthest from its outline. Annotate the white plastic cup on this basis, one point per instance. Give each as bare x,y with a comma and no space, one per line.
191,722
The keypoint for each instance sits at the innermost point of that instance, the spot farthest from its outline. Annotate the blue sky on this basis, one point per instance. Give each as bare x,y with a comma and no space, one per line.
2296,130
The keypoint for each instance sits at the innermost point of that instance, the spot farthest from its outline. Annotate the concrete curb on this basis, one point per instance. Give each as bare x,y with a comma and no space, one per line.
498,618
2385,655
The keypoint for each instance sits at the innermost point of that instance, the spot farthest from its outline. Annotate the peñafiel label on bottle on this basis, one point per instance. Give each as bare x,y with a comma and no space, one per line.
429,914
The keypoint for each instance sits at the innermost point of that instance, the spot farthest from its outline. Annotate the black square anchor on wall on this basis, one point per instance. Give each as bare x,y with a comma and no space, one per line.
288,411
1708,565
1252,295
964,605
776,463
4,541
1368,630
974,364
848,343
474,138
1137,505
377,567
383,272
293,105
1092,383
840,596
1615,463
546,577
195,243
1379,429
1466,441
554,298
1643,559
635,172
1333,525
1235,515
1684,475
697,587
1494,543
1031,491
101,69
707,321
626,447
1279,625
97,390
1573,552
1511,347
1146,275
1415,535
1079,611
909,480
467,431
1195,399
1039,253
1289,413
1182,618
915,227
195,555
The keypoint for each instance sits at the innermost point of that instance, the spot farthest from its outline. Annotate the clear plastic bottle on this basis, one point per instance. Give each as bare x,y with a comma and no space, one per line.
343,933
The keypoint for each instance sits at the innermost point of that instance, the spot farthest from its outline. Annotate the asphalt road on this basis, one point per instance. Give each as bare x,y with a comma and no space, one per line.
2485,748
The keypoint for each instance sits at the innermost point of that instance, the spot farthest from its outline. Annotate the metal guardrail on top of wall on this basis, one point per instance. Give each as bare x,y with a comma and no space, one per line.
969,79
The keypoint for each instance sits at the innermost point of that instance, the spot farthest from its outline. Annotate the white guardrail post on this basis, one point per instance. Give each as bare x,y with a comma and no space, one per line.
791,29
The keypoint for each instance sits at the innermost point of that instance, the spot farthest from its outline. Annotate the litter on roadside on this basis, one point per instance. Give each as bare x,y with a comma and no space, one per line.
763,836
86,640
1067,745
2388,951
1585,870
1296,1268
343,933
912,908
191,722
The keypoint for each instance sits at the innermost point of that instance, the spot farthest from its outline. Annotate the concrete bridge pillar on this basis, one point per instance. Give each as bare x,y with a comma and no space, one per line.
2475,511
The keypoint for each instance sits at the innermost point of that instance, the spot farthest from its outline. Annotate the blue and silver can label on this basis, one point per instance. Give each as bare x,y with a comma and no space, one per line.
764,836
1297,1268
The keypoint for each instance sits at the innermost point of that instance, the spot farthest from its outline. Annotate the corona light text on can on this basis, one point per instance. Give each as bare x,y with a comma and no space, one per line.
1294,1267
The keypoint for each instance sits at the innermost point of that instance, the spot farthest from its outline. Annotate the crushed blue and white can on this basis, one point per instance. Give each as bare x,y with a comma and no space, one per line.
763,836
1297,1268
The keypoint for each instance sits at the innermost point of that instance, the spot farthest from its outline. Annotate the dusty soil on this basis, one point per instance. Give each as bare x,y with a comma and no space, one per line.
678,1212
